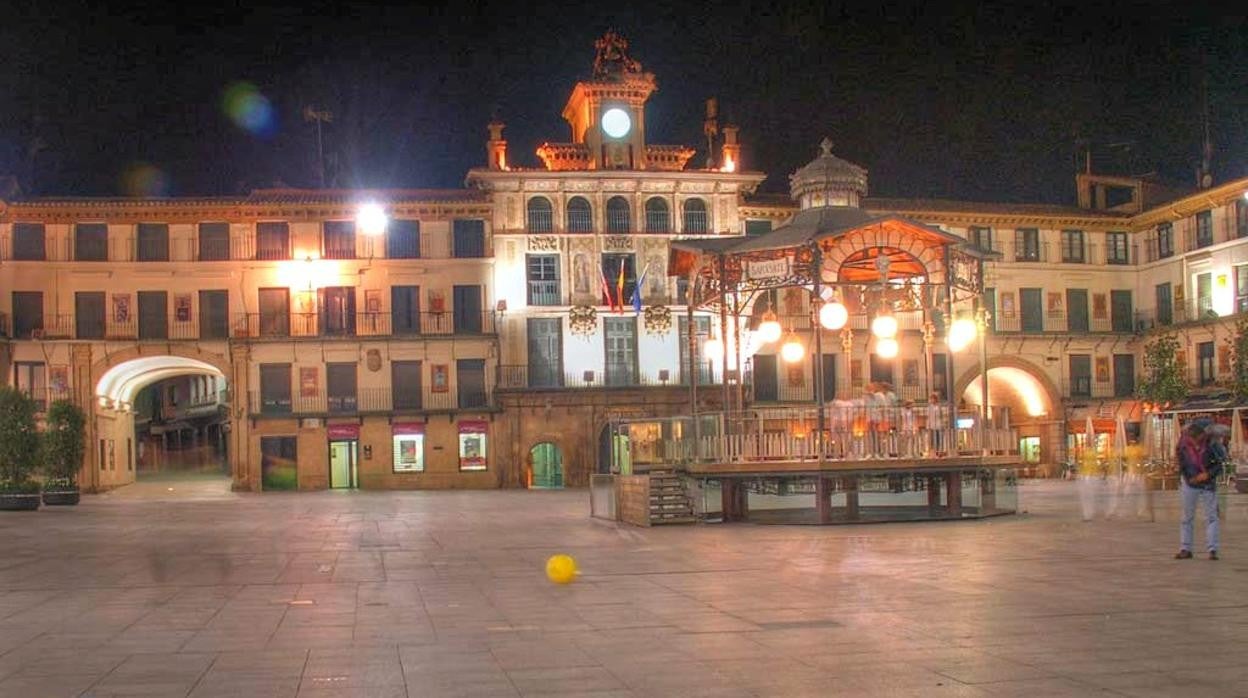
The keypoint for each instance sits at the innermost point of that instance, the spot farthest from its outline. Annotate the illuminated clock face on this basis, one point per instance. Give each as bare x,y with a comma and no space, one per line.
615,122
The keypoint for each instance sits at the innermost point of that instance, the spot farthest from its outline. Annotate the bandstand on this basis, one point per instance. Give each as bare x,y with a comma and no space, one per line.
862,294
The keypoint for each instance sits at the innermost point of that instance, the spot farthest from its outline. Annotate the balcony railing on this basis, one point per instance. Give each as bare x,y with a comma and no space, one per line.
544,293
519,377
295,325
366,401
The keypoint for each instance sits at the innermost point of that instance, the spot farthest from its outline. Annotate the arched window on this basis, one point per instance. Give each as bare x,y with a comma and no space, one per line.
658,219
541,216
618,216
695,216
580,215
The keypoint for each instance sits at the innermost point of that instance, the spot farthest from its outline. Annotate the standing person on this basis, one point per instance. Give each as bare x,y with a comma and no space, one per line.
935,424
909,429
1199,465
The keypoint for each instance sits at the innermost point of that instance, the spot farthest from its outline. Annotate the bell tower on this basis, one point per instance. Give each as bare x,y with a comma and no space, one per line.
607,112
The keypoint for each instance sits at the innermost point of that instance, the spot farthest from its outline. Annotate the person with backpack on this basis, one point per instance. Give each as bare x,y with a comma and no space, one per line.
1200,456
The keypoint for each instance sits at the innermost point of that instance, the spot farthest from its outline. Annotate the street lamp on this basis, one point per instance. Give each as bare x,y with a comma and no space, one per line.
371,219
886,348
713,349
884,326
961,333
769,329
833,315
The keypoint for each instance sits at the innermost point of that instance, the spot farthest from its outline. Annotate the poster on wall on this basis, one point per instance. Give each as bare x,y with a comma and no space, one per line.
1055,305
472,437
1224,359
438,381
437,302
121,308
1100,306
910,373
372,300
182,307
307,381
1102,369
1007,304
797,376
409,447
58,378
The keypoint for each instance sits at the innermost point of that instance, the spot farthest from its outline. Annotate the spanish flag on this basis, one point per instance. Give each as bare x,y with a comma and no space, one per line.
619,288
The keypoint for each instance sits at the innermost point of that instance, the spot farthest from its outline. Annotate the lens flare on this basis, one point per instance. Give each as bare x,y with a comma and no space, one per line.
250,110
143,179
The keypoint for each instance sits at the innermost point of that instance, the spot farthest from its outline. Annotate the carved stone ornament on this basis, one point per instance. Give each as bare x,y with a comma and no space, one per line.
544,243
658,320
614,243
372,359
582,320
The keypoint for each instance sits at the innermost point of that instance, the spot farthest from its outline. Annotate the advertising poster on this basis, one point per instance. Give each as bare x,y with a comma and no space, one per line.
307,381
472,439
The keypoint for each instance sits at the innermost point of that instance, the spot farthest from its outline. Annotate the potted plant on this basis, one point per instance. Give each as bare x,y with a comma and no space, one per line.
63,445
19,447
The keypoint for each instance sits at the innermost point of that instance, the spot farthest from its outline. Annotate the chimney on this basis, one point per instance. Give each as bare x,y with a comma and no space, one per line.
730,158
710,127
496,147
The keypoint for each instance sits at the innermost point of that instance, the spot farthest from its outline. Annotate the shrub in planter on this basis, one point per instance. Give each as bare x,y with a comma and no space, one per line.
63,445
19,449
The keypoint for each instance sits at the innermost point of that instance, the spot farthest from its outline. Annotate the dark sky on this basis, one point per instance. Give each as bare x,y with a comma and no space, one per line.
936,99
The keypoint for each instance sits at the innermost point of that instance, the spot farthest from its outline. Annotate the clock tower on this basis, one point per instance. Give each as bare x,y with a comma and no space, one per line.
607,113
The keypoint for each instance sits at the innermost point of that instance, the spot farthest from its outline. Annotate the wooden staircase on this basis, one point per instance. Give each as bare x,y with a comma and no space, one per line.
669,503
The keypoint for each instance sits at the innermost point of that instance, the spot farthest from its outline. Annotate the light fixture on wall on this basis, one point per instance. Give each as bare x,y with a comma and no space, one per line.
371,219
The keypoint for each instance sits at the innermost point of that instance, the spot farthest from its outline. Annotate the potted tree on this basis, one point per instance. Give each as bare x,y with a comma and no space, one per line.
63,444
19,447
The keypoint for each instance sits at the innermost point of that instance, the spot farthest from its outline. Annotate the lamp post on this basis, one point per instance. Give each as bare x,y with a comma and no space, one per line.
981,324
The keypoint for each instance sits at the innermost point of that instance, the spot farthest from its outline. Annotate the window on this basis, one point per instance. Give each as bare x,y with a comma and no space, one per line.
30,379
1165,307
274,312
467,310
658,217
695,220
1124,375
27,314
1165,240
766,387
279,463
702,332
340,386
153,315
1027,245
153,242
1204,363
275,388
405,309
540,215
1204,229
580,215
409,447
1116,251
1241,288
757,227
89,314
1072,246
545,345
29,242
403,239
543,270
468,237
470,381
981,237
405,385
621,350
1080,375
214,242
337,311
618,215
338,240
612,266
272,241
214,314
1241,217
1204,295
91,242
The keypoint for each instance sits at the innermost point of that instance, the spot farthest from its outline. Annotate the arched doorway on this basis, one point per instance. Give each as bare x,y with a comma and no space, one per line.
546,462
161,417
1032,404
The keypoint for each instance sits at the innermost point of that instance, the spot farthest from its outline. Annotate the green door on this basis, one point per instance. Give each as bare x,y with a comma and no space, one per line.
1077,310
1033,309
1121,311
547,466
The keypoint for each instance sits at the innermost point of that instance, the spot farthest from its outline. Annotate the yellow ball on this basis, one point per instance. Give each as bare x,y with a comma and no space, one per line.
561,569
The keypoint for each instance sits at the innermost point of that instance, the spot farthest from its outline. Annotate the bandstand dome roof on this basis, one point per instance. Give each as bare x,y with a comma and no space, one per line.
828,180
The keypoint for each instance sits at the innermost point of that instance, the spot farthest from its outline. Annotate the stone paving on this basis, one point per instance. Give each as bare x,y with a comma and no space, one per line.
185,589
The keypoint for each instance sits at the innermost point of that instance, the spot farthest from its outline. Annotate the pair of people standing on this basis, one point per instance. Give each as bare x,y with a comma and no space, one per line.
1201,454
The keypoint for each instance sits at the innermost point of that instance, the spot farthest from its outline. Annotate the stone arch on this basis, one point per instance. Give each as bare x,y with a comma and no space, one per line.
1050,393
835,252
184,351
545,477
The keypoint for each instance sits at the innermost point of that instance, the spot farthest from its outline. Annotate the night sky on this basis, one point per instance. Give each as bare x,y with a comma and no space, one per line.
935,99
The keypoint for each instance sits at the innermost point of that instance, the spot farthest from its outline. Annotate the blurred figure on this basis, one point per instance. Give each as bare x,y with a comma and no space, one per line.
935,425
1200,463
909,429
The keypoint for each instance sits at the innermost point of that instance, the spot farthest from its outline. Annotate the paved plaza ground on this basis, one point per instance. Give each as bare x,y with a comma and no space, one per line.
176,588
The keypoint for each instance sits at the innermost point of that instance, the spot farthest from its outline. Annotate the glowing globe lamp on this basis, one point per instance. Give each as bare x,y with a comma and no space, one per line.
886,348
769,329
961,334
884,326
713,350
616,123
792,350
371,219
833,316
